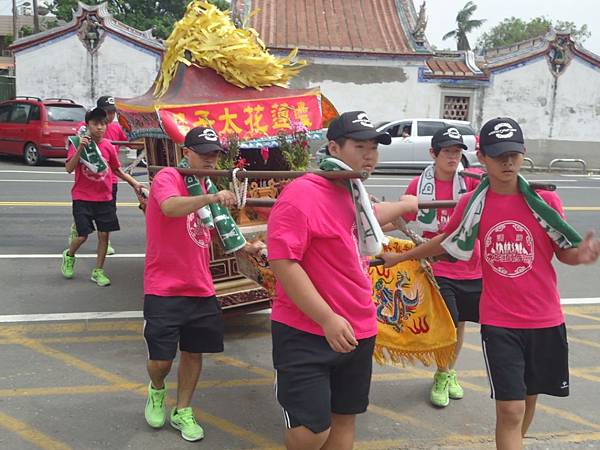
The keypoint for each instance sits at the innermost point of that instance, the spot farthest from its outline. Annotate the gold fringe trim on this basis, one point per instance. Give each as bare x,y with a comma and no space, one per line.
237,54
441,356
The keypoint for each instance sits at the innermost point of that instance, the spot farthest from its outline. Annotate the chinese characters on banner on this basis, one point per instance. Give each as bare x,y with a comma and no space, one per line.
248,119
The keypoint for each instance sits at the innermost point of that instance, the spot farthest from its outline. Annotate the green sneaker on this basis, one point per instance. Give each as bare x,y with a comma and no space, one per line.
183,420
439,390
99,278
110,250
73,234
68,262
455,391
156,412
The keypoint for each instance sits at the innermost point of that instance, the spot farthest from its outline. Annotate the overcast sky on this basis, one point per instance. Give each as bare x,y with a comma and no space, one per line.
442,14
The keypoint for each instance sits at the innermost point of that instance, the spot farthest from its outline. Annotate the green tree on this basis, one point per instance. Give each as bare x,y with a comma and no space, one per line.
464,25
513,30
158,15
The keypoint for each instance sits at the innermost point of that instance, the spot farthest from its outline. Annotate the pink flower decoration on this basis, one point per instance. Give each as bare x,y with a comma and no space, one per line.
241,163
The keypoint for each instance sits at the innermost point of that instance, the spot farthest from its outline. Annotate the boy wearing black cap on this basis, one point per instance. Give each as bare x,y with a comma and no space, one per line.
323,318
180,305
113,132
459,282
520,230
94,160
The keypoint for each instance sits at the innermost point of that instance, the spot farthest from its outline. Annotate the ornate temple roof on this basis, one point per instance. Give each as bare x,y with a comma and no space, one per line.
380,27
105,21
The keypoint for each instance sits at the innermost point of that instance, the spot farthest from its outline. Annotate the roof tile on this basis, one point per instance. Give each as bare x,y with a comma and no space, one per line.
354,26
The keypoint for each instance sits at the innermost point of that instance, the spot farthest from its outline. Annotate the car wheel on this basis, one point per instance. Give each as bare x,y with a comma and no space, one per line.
31,154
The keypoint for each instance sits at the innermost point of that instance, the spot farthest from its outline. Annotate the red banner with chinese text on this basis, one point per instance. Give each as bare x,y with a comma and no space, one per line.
249,119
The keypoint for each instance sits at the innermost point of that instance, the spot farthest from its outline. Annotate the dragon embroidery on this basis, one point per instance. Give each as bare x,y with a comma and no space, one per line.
396,306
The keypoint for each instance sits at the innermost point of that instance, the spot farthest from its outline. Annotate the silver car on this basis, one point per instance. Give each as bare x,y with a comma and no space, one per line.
411,140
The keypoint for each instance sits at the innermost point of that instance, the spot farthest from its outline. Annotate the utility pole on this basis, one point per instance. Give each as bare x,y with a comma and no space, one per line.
14,7
36,18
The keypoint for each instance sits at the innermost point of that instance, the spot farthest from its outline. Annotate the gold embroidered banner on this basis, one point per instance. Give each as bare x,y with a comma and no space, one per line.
413,321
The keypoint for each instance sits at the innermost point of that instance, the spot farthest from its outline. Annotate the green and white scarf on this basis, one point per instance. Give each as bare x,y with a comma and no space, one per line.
370,237
427,218
90,155
460,242
214,215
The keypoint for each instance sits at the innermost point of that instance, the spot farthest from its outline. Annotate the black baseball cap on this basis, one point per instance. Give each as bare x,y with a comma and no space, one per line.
107,103
95,114
501,135
356,125
447,137
203,140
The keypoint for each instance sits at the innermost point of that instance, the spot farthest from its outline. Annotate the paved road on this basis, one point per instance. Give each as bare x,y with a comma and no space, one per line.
79,384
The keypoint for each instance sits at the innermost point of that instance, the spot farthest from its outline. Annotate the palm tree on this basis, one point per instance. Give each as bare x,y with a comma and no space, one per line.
464,25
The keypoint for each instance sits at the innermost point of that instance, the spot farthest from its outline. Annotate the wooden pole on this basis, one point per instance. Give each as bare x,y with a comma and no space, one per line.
435,204
266,174
533,184
128,143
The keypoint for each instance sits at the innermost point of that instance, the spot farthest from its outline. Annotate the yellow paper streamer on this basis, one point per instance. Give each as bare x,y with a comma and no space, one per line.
237,54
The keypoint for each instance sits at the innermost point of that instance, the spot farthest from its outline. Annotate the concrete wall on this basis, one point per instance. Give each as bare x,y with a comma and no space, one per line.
386,90
64,68
559,115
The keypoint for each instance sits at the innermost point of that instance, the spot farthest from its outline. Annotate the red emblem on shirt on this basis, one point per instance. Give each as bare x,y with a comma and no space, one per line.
508,249
91,175
199,233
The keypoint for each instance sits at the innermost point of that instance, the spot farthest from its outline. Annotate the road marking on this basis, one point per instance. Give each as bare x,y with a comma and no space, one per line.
580,301
399,417
85,255
95,371
62,172
570,312
112,315
30,434
46,181
3,203
58,317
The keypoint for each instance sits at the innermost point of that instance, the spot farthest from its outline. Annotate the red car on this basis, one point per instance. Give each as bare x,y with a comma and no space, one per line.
35,129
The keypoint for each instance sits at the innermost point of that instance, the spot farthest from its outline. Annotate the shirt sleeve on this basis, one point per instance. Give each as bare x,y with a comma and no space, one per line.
287,233
553,200
113,160
456,217
164,186
70,150
411,189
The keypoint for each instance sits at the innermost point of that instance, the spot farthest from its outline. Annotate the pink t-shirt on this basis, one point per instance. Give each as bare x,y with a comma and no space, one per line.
177,248
113,132
519,282
313,223
94,187
459,270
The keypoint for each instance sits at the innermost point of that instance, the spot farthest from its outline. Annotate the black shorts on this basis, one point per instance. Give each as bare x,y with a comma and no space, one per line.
461,297
196,323
115,188
523,362
312,381
87,213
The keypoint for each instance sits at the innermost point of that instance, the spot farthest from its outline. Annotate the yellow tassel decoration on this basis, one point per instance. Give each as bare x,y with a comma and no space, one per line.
237,54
